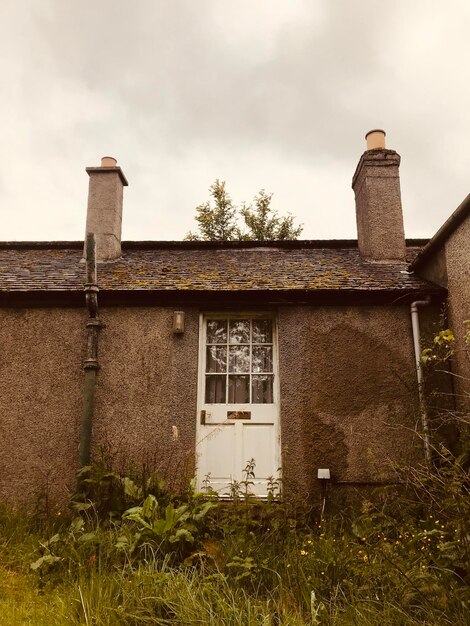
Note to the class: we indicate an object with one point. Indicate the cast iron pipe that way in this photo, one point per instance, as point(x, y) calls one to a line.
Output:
point(91, 365)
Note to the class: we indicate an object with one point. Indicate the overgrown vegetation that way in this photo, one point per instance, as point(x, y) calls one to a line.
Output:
point(140, 555)
point(129, 551)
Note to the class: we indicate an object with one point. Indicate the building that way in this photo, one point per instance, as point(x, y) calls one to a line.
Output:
point(298, 354)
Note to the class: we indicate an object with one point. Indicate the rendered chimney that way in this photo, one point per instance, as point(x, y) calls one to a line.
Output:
point(379, 217)
point(104, 213)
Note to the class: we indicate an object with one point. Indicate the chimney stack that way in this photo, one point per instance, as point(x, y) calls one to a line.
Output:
point(104, 213)
point(376, 184)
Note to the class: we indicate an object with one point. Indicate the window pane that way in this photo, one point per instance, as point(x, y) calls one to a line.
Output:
point(215, 389)
point(239, 359)
point(217, 331)
point(238, 389)
point(216, 359)
point(262, 359)
point(262, 390)
point(262, 331)
point(239, 331)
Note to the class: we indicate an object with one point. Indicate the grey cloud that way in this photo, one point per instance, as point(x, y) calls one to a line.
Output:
point(259, 93)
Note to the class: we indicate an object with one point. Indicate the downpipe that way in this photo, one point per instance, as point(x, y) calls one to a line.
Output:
point(419, 373)
point(91, 365)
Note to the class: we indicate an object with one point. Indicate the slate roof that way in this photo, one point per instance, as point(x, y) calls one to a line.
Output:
point(207, 266)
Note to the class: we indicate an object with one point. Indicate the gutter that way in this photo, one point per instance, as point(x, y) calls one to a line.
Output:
point(91, 365)
point(420, 376)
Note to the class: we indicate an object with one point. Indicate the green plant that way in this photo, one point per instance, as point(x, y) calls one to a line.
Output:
point(67, 549)
point(442, 348)
point(109, 493)
point(165, 529)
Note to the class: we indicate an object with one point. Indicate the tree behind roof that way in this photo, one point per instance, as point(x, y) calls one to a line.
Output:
point(220, 221)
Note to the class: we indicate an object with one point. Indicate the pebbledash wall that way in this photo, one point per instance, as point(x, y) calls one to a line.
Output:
point(348, 398)
point(347, 372)
point(40, 400)
point(446, 262)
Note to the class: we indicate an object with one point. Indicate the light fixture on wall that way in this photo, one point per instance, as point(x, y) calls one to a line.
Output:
point(323, 474)
point(178, 322)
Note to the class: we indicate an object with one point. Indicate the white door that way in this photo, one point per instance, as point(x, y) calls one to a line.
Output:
point(238, 407)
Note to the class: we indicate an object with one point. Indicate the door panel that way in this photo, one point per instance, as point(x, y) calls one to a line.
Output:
point(258, 444)
point(220, 456)
point(238, 416)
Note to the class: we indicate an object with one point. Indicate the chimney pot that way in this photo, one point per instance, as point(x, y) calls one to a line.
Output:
point(375, 139)
point(108, 161)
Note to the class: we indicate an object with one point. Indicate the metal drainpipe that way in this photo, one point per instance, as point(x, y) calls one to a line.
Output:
point(419, 373)
point(91, 365)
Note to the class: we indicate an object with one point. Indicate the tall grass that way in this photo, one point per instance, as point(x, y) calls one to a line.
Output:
point(162, 558)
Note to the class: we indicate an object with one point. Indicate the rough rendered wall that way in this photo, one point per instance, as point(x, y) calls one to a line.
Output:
point(458, 273)
point(435, 269)
point(148, 384)
point(348, 393)
point(41, 374)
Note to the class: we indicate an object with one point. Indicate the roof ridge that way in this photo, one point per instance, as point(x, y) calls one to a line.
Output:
point(204, 245)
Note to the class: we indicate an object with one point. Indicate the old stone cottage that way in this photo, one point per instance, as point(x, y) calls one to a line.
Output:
point(298, 354)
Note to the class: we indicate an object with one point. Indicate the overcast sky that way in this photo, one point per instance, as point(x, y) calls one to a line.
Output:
point(273, 94)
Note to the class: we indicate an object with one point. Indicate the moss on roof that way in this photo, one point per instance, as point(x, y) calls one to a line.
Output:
point(171, 266)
